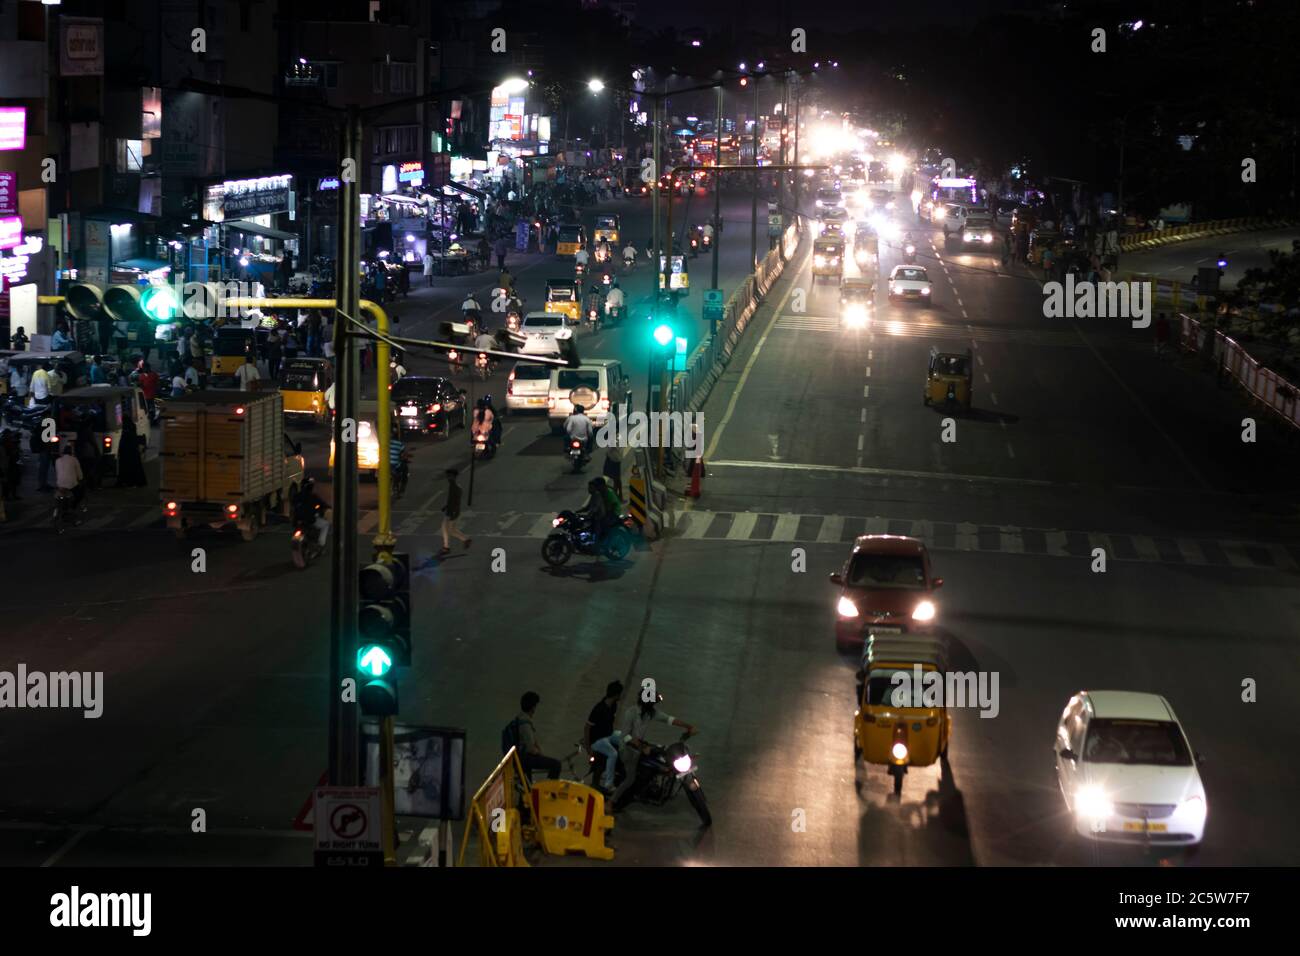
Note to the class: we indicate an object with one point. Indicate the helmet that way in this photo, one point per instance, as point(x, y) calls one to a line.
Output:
point(596, 484)
point(487, 401)
point(577, 409)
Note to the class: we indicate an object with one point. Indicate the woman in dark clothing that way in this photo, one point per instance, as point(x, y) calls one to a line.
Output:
point(130, 466)
point(87, 450)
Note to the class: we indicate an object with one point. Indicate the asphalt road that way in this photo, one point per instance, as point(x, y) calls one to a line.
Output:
point(1180, 260)
point(1080, 437)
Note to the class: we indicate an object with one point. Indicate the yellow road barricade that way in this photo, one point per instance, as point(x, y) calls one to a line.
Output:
point(571, 818)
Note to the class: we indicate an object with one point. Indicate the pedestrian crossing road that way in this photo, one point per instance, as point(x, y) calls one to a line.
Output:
point(805, 529)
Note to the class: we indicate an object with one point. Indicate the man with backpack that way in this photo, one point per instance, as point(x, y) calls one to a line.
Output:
point(522, 735)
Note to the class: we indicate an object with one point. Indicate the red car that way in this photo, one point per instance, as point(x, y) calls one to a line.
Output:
point(887, 587)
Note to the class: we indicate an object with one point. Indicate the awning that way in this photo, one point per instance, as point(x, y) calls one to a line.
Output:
point(142, 265)
point(467, 190)
point(254, 229)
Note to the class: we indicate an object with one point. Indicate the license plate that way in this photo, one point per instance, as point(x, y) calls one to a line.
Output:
point(410, 411)
point(882, 629)
point(1148, 827)
point(537, 401)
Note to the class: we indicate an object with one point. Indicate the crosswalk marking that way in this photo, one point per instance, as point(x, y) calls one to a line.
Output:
point(941, 536)
point(885, 327)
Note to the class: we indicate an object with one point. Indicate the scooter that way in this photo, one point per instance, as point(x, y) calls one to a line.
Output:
point(670, 769)
point(484, 447)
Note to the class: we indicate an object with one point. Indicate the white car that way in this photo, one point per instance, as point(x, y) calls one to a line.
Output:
point(1127, 771)
point(977, 232)
point(527, 387)
point(909, 282)
point(829, 199)
point(541, 331)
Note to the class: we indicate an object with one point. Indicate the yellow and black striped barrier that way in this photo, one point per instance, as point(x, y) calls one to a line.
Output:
point(636, 496)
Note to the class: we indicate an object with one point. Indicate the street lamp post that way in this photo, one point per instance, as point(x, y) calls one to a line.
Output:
point(753, 213)
point(717, 185)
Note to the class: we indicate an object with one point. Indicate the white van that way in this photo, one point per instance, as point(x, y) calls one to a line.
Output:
point(596, 385)
point(541, 329)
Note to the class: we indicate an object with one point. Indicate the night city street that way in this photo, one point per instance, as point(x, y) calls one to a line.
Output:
point(959, 526)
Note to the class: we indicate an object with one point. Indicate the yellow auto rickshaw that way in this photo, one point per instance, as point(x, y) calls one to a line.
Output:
point(948, 379)
point(902, 718)
point(229, 346)
point(303, 383)
point(828, 257)
point(572, 238)
point(562, 298)
point(607, 228)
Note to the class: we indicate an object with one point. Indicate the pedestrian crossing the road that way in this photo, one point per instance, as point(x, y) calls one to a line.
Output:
point(1043, 338)
point(806, 529)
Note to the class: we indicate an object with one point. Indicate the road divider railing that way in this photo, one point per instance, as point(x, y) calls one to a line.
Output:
point(1171, 292)
point(1264, 386)
point(691, 387)
point(1152, 238)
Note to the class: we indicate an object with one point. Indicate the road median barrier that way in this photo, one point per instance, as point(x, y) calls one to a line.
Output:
point(1153, 238)
point(1265, 387)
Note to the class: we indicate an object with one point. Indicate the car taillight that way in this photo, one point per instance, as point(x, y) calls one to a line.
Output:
point(108, 441)
point(603, 405)
point(171, 508)
point(232, 509)
point(510, 384)
point(575, 444)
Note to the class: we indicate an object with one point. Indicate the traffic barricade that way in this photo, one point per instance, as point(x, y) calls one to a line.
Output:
point(495, 817)
point(571, 818)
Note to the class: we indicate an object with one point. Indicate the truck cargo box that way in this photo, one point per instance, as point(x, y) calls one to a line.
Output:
point(223, 447)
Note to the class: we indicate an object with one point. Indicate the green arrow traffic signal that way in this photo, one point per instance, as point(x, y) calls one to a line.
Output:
point(158, 303)
point(663, 334)
point(374, 659)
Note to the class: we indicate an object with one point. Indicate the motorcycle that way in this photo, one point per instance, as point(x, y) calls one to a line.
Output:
point(606, 280)
point(629, 263)
point(613, 314)
point(454, 361)
point(22, 416)
point(65, 510)
point(484, 447)
point(909, 253)
point(305, 544)
point(401, 474)
point(669, 769)
point(482, 366)
point(579, 270)
point(513, 319)
point(574, 535)
point(577, 454)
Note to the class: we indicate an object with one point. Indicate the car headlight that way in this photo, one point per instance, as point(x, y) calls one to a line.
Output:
point(924, 611)
point(939, 214)
point(925, 290)
point(1092, 803)
point(893, 289)
point(819, 260)
point(1192, 811)
point(846, 608)
point(988, 237)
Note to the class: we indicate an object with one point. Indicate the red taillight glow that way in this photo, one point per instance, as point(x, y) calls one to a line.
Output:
point(108, 441)
point(239, 410)
point(576, 444)
point(232, 509)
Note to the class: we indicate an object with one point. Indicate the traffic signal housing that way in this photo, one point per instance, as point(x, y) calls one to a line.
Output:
point(383, 633)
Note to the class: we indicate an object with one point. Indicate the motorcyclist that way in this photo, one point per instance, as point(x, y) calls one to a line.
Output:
point(629, 255)
point(614, 298)
point(484, 422)
point(396, 370)
point(580, 258)
point(636, 720)
point(708, 232)
point(579, 426)
point(602, 249)
point(309, 509)
point(485, 340)
point(596, 511)
point(471, 310)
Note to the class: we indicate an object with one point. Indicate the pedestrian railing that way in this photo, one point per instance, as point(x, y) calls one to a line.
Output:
point(1265, 386)
point(690, 388)
point(1151, 238)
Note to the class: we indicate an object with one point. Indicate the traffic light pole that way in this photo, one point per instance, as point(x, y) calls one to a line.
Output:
point(344, 745)
point(717, 186)
point(753, 212)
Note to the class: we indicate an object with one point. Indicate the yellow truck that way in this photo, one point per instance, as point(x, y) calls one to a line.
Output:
point(227, 462)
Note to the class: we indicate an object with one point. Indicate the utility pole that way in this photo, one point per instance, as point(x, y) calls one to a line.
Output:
point(798, 183)
point(753, 211)
point(344, 756)
point(717, 185)
point(656, 238)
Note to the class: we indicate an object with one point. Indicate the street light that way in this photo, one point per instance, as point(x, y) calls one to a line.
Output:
point(515, 84)
point(595, 85)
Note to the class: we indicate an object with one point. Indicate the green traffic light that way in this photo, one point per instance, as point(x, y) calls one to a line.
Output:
point(159, 303)
point(375, 659)
point(663, 334)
